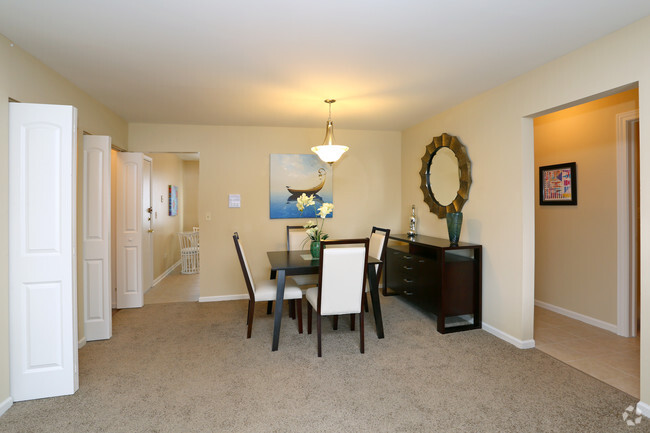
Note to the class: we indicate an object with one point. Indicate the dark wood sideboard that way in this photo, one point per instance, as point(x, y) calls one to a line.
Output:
point(439, 278)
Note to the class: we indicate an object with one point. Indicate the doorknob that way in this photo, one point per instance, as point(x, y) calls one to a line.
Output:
point(150, 230)
point(150, 209)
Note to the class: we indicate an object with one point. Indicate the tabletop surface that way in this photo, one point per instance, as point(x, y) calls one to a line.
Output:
point(295, 260)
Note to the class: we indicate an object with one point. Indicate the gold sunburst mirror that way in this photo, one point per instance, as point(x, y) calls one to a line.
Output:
point(445, 175)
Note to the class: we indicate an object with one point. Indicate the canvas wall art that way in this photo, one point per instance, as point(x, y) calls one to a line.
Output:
point(294, 174)
point(173, 200)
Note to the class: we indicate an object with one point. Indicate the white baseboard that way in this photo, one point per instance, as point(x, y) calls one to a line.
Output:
point(644, 408)
point(577, 316)
point(223, 298)
point(521, 344)
point(5, 405)
point(82, 342)
point(164, 274)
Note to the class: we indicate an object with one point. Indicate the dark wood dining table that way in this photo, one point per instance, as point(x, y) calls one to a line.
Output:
point(287, 263)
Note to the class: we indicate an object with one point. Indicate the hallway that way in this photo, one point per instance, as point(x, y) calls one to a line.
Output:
point(175, 287)
point(599, 353)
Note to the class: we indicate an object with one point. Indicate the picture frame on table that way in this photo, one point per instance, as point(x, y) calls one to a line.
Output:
point(558, 185)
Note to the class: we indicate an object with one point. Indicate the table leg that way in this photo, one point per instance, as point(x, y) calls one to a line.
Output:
point(278, 309)
point(374, 295)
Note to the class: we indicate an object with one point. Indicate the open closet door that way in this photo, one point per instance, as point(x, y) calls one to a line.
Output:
point(129, 235)
point(43, 345)
point(97, 237)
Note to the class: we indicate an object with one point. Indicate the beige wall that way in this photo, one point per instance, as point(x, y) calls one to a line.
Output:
point(167, 170)
point(190, 195)
point(576, 246)
point(25, 79)
point(497, 129)
point(366, 189)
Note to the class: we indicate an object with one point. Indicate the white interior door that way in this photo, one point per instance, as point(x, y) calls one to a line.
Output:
point(43, 346)
point(147, 224)
point(97, 237)
point(129, 230)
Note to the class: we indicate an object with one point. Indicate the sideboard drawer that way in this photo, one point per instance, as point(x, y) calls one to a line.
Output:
point(406, 274)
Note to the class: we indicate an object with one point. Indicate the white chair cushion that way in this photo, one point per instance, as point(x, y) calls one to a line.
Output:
point(306, 280)
point(342, 281)
point(266, 290)
point(376, 246)
point(312, 297)
point(298, 239)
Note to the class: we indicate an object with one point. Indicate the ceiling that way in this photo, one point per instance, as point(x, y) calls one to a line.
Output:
point(389, 64)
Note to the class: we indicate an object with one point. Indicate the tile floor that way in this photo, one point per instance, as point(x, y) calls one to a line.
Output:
point(599, 353)
point(175, 287)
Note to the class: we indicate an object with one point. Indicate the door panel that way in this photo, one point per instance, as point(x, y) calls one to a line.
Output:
point(129, 230)
point(97, 237)
point(43, 344)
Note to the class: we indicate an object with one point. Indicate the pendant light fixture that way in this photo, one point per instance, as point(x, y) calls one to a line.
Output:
point(329, 151)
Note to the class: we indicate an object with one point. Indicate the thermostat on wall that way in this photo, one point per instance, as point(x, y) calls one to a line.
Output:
point(234, 200)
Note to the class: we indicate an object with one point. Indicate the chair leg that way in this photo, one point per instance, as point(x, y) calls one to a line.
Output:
point(361, 330)
point(308, 317)
point(299, 306)
point(269, 307)
point(251, 310)
point(318, 327)
point(292, 309)
point(335, 322)
point(352, 320)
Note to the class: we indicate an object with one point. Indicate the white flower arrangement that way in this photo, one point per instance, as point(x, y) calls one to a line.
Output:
point(313, 231)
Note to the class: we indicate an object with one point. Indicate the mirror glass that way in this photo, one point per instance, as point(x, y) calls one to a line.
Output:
point(444, 178)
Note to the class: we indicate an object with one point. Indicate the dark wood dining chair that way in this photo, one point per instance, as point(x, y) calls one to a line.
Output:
point(296, 236)
point(377, 249)
point(265, 290)
point(297, 240)
point(341, 280)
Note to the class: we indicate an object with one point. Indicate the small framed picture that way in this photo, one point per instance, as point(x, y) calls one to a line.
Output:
point(173, 200)
point(558, 184)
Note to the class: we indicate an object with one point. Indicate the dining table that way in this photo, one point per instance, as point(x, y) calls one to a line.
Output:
point(287, 263)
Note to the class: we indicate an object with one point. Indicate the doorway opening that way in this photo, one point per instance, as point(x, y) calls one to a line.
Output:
point(181, 171)
point(586, 255)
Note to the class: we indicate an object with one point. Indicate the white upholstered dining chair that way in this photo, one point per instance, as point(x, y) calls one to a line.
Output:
point(377, 249)
point(297, 240)
point(265, 290)
point(341, 279)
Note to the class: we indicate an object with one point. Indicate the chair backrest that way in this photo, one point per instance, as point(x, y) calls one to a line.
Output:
point(342, 276)
point(188, 240)
point(377, 248)
point(250, 285)
point(296, 236)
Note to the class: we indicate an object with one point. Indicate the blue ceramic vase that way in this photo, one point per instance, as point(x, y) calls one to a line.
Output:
point(454, 223)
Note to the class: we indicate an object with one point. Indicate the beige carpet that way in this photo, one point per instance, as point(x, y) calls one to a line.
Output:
point(187, 367)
